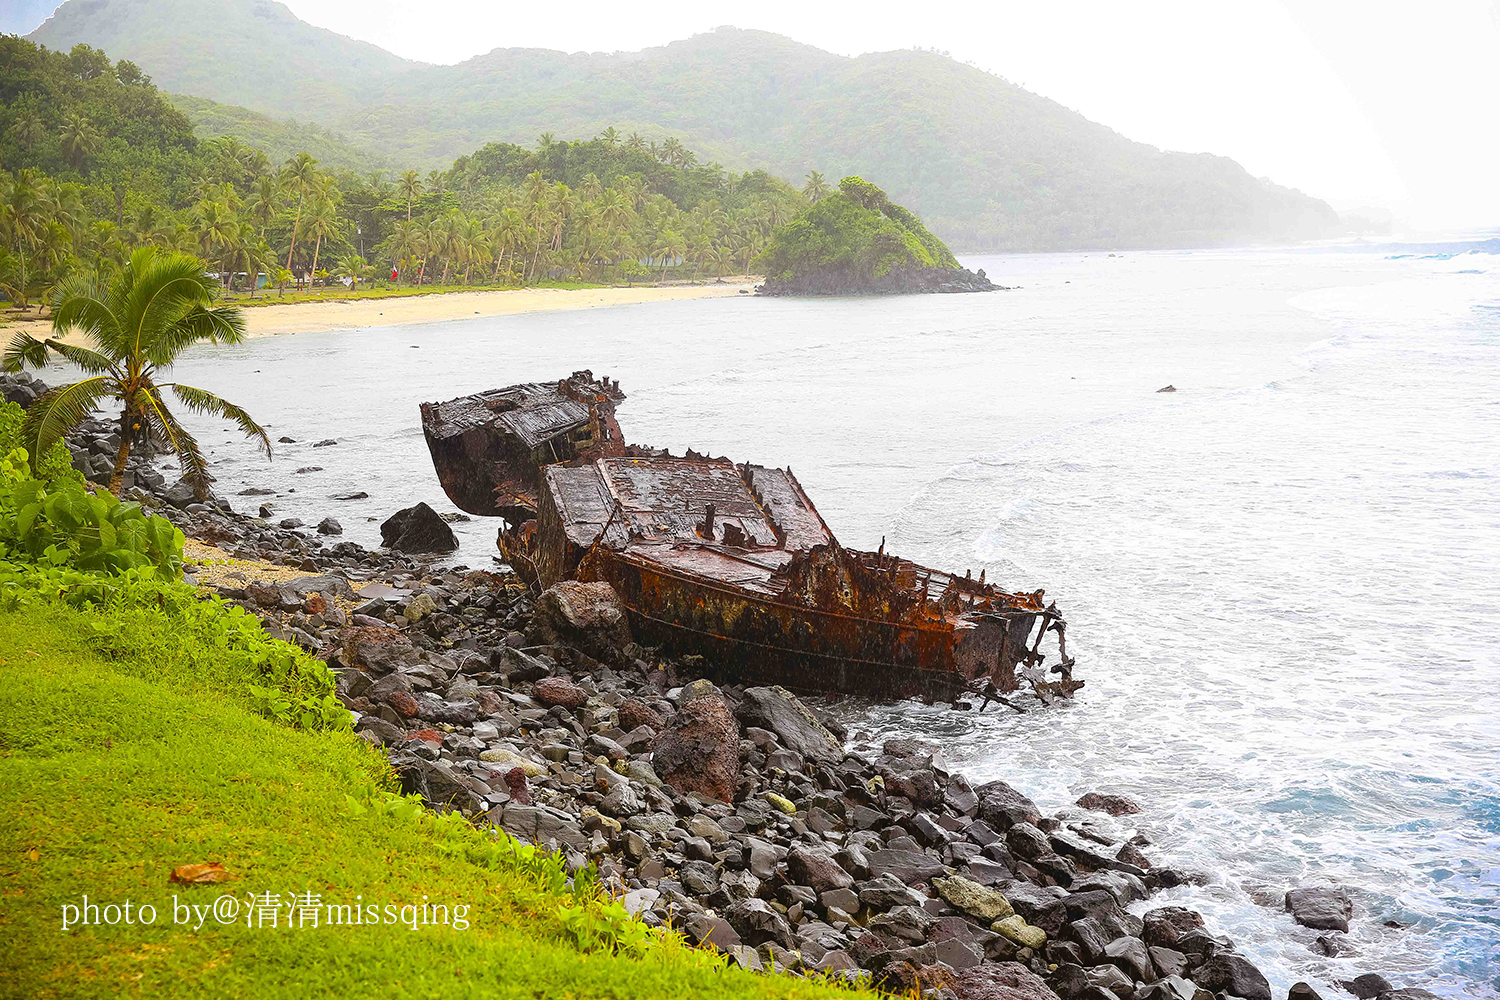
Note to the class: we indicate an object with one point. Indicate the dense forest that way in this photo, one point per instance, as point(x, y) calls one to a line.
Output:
point(96, 161)
point(986, 163)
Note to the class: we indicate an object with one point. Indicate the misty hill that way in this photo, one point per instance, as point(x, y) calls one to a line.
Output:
point(280, 139)
point(986, 163)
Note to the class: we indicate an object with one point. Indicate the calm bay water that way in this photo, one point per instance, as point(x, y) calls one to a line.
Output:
point(1283, 580)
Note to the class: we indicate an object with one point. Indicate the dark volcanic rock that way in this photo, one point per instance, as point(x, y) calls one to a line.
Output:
point(1234, 975)
point(1115, 805)
point(1323, 908)
point(898, 282)
point(559, 691)
point(589, 614)
point(699, 751)
point(1368, 986)
point(1166, 925)
point(1002, 806)
point(776, 709)
point(1001, 981)
point(417, 529)
point(809, 867)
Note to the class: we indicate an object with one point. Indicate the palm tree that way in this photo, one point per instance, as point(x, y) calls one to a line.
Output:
point(410, 186)
point(323, 220)
point(79, 140)
point(280, 277)
point(544, 147)
point(138, 323)
point(257, 255)
point(611, 137)
point(668, 246)
point(353, 267)
point(816, 188)
point(300, 172)
point(635, 141)
point(264, 198)
point(28, 129)
point(217, 230)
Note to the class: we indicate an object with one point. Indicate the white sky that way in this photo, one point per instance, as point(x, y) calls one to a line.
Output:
point(1361, 102)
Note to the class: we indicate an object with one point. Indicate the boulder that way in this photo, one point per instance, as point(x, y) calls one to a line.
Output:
point(910, 867)
point(813, 868)
point(535, 824)
point(1235, 975)
point(1323, 908)
point(974, 899)
point(1115, 805)
point(699, 750)
point(1368, 986)
point(1166, 925)
point(559, 691)
point(1001, 981)
point(1002, 806)
point(778, 710)
point(589, 615)
point(417, 529)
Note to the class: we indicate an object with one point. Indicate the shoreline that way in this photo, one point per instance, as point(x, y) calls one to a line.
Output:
point(407, 310)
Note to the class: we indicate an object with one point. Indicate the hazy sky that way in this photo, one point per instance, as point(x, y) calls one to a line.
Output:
point(1356, 101)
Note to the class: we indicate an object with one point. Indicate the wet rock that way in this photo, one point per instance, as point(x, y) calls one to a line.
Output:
point(417, 529)
point(1018, 930)
point(538, 824)
point(1235, 975)
point(1001, 981)
point(1367, 986)
point(1166, 925)
point(779, 711)
point(1324, 908)
point(589, 614)
point(1302, 991)
point(699, 750)
point(909, 923)
point(1130, 955)
point(1002, 806)
point(1115, 805)
point(328, 526)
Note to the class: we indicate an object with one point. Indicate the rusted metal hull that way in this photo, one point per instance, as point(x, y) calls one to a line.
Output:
point(746, 638)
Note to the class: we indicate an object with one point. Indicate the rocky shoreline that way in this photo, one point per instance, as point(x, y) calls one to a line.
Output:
point(906, 281)
point(739, 814)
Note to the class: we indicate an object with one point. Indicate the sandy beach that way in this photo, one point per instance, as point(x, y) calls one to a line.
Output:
point(316, 317)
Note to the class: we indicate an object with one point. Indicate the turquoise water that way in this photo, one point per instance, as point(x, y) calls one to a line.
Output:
point(1282, 580)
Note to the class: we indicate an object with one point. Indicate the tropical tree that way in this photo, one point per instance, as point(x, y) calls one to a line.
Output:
point(28, 128)
point(159, 304)
point(280, 277)
point(323, 220)
point(668, 246)
point(410, 185)
point(79, 140)
point(258, 256)
point(353, 267)
point(265, 198)
point(611, 137)
point(816, 188)
point(299, 173)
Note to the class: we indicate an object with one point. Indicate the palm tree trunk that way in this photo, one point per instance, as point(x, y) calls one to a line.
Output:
point(122, 455)
point(295, 223)
point(313, 275)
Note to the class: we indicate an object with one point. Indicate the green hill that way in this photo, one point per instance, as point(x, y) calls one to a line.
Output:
point(988, 164)
point(280, 139)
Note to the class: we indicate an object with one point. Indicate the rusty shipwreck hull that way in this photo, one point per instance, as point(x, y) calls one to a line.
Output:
point(488, 446)
point(748, 638)
point(730, 561)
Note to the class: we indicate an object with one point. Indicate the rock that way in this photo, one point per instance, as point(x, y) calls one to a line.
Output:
point(419, 607)
point(1002, 806)
point(715, 931)
point(1409, 993)
point(780, 802)
point(758, 924)
point(1165, 926)
point(1167, 388)
point(1368, 986)
point(909, 923)
point(327, 584)
point(1001, 981)
point(699, 750)
point(910, 867)
point(507, 758)
point(778, 710)
point(325, 443)
point(417, 529)
point(559, 691)
point(587, 614)
point(974, 899)
point(1115, 805)
point(1302, 991)
point(1019, 931)
point(1235, 975)
point(328, 526)
point(635, 713)
point(1130, 955)
point(535, 824)
point(813, 868)
point(1323, 908)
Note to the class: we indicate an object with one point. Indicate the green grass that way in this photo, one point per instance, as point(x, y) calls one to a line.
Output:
point(114, 771)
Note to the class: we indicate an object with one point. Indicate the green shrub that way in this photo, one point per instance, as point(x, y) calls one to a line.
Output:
point(55, 467)
point(139, 621)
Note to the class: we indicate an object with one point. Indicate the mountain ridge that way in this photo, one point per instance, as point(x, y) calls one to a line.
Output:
point(988, 164)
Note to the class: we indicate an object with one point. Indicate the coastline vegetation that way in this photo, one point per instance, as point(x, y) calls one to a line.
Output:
point(97, 163)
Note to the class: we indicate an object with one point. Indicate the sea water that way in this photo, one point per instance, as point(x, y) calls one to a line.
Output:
point(1282, 580)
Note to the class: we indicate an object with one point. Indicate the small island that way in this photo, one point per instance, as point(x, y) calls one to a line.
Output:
point(857, 241)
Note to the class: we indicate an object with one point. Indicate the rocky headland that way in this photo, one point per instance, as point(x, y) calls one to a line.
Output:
point(746, 817)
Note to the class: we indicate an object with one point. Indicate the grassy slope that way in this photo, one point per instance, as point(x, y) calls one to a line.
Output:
point(116, 772)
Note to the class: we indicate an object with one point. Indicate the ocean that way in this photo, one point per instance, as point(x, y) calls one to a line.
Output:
point(1282, 580)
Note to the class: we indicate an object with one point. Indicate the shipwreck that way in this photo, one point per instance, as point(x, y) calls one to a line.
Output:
point(730, 561)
